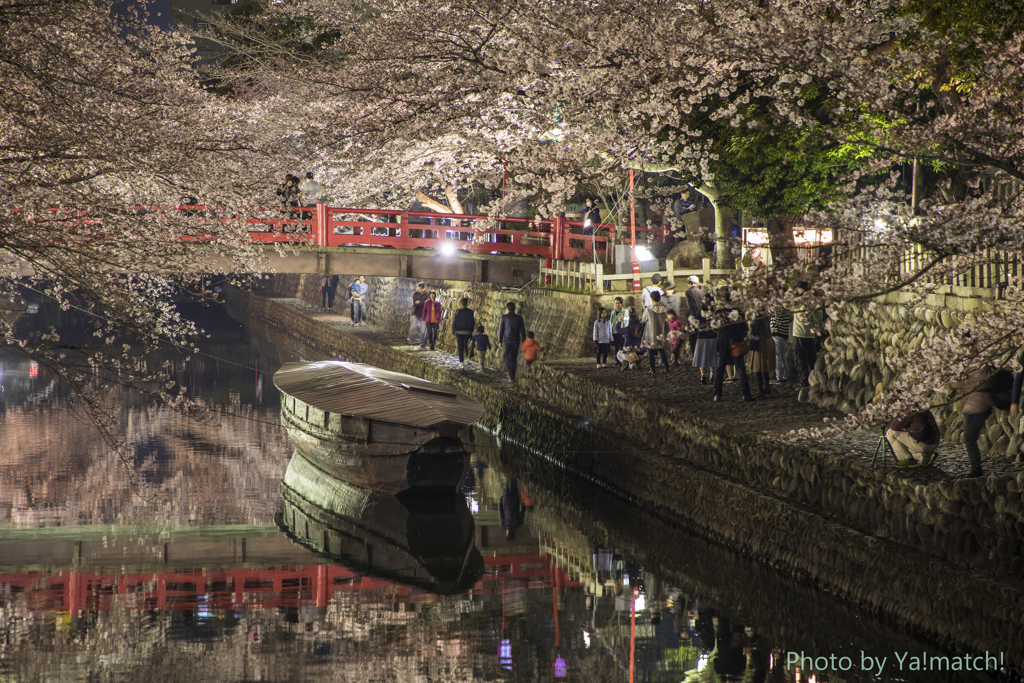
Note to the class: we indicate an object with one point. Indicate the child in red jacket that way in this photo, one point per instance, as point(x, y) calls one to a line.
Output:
point(530, 349)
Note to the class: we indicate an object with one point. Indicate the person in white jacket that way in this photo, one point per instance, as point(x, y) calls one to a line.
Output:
point(602, 337)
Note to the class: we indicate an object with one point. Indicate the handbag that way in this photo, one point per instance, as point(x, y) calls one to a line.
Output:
point(740, 348)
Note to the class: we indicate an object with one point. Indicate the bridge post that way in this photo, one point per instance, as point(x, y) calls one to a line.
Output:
point(321, 226)
point(557, 237)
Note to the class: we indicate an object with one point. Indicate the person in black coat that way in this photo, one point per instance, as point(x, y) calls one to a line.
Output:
point(729, 334)
point(511, 335)
point(511, 509)
point(462, 326)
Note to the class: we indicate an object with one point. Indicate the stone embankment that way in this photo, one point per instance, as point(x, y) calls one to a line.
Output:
point(931, 547)
point(852, 368)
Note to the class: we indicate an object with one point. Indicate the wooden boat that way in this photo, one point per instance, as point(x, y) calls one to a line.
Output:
point(421, 541)
point(382, 430)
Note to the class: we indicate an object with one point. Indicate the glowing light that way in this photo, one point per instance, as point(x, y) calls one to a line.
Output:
point(560, 668)
point(879, 224)
point(447, 248)
point(33, 369)
point(505, 654)
point(641, 602)
point(644, 254)
point(586, 639)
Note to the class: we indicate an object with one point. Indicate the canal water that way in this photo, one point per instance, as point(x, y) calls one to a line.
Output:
point(181, 558)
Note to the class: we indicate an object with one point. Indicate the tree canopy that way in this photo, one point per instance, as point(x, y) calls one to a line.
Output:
point(782, 106)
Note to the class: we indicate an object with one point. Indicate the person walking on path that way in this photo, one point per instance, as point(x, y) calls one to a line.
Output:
point(417, 330)
point(627, 324)
point(432, 314)
point(531, 347)
point(732, 347)
point(615, 318)
point(976, 410)
point(675, 336)
point(645, 296)
point(602, 337)
point(655, 336)
point(462, 326)
point(357, 299)
point(782, 325)
point(483, 345)
point(694, 300)
point(762, 356)
point(328, 287)
point(805, 324)
point(705, 352)
point(670, 300)
point(511, 333)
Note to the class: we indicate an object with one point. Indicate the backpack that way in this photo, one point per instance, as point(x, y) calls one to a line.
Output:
point(1000, 385)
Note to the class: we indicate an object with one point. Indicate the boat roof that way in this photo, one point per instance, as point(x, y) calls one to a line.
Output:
point(365, 391)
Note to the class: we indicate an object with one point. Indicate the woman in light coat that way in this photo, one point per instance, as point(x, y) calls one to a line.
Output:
point(602, 337)
point(655, 337)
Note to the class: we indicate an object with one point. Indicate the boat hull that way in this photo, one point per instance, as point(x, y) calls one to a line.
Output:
point(387, 458)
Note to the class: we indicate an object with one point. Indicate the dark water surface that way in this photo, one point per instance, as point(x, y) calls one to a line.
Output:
point(183, 560)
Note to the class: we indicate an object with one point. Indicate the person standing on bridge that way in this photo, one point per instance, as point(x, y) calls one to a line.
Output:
point(417, 330)
point(511, 333)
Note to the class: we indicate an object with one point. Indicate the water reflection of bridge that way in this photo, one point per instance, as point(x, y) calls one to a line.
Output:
point(256, 567)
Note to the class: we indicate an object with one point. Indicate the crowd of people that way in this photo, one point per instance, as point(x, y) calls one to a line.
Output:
point(723, 344)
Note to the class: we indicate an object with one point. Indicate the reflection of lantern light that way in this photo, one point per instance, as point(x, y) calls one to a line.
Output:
point(560, 670)
point(586, 639)
point(505, 654)
point(33, 369)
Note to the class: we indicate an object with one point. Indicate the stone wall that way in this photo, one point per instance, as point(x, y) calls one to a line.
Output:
point(851, 368)
point(562, 322)
point(883, 542)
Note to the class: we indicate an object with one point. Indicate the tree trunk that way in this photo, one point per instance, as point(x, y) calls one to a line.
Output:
point(781, 242)
point(724, 257)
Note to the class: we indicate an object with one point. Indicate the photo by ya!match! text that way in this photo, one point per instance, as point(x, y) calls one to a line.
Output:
point(895, 662)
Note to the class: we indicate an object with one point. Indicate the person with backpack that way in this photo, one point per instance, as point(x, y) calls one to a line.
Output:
point(462, 325)
point(982, 387)
point(914, 439)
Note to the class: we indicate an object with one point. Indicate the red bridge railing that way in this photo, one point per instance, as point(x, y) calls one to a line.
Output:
point(327, 226)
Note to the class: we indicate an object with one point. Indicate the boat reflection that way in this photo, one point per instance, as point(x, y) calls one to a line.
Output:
point(421, 541)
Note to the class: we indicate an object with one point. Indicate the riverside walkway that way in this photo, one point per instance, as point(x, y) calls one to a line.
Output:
point(681, 389)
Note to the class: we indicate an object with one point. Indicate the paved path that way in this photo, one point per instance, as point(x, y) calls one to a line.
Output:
point(777, 414)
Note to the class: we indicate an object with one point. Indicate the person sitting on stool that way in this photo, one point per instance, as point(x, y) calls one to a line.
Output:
point(914, 439)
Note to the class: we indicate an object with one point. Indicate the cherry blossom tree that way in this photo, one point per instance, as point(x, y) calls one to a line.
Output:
point(105, 128)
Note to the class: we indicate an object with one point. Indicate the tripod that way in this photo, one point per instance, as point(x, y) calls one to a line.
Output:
point(886, 448)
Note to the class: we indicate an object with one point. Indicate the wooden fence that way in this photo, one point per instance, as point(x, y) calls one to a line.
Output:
point(590, 277)
point(984, 273)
